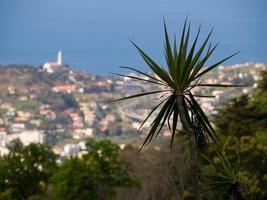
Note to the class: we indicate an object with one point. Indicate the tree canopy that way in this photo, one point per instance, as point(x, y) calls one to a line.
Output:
point(31, 172)
point(25, 171)
point(242, 126)
point(95, 176)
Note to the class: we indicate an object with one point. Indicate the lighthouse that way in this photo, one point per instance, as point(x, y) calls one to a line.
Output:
point(59, 57)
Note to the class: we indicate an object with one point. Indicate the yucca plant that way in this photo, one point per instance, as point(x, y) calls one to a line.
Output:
point(184, 71)
point(222, 179)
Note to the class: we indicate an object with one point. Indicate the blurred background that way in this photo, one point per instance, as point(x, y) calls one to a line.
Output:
point(93, 35)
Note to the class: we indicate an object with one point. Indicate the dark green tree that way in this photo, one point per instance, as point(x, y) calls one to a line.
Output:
point(25, 171)
point(95, 176)
point(242, 127)
point(245, 115)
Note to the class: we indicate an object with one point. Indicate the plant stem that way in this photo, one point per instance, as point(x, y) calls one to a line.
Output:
point(193, 148)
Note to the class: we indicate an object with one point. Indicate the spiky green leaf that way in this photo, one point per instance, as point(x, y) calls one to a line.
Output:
point(139, 95)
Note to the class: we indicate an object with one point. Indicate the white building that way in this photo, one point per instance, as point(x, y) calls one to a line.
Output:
point(27, 137)
point(71, 150)
point(51, 67)
point(3, 151)
point(3, 136)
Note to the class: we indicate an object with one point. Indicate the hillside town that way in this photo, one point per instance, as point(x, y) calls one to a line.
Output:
point(61, 106)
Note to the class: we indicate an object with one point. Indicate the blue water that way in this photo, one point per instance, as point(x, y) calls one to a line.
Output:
point(93, 34)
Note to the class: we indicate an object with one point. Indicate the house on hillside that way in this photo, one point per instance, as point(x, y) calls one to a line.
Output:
point(67, 88)
point(23, 116)
point(7, 106)
point(47, 112)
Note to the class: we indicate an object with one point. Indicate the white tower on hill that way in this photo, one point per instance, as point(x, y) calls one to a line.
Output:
point(51, 67)
point(59, 57)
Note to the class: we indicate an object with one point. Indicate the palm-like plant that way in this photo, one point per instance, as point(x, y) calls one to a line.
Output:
point(185, 68)
point(223, 179)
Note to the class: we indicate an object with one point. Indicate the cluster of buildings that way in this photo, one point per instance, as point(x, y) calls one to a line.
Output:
point(240, 74)
point(43, 123)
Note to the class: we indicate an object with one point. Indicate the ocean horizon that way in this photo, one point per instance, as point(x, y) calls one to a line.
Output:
point(94, 36)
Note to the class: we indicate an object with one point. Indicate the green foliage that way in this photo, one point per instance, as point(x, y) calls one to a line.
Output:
point(58, 101)
point(222, 179)
point(30, 105)
point(245, 116)
point(75, 180)
point(243, 130)
point(248, 155)
point(31, 173)
point(235, 118)
point(183, 73)
point(25, 171)
point(263, 81)
point(95, 176)
point(15, 145)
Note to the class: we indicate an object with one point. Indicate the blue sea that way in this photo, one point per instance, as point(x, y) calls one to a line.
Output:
point(94, 34)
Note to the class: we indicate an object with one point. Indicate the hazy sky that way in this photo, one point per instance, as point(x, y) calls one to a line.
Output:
point(93, 35)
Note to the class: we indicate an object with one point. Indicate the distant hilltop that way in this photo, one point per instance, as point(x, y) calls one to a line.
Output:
point(63, 104)
point(57, 76)
point(51, 76)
